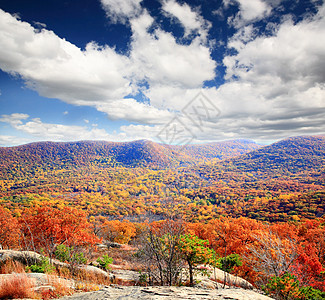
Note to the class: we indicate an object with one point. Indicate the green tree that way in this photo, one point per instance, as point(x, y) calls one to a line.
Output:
point(196, 252)
point(229, 262)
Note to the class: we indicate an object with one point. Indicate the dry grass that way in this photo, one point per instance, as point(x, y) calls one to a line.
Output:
point(91, 278)
point(11, 266)
point(85, 281)
point(17, 286)
point(124, 258)
point(59, 289)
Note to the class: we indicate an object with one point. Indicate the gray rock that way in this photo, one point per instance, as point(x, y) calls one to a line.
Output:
point(160, 293)
point(221, 276)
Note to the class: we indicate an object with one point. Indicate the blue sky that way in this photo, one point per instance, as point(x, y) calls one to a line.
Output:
point(167, 70)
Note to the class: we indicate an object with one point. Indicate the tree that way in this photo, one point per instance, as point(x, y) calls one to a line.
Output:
point(118, 232)
point(160, 254)
point(272, 255)
point(45, 227)
point(9, 230)
point(195, 252)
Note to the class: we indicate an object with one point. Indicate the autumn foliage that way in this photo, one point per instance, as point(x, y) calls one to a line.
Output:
point(9, 229)
point(45, 227)
point(263, 207)
point(117, 231)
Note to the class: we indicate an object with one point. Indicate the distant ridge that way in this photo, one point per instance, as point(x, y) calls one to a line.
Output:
point(292, 155)
point(129, 154)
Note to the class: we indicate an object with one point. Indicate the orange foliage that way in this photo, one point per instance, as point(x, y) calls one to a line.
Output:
point(44, 227)
point(9, 229)
point(118, 232)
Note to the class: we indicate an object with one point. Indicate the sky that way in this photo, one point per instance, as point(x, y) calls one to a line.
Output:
point(169, 71)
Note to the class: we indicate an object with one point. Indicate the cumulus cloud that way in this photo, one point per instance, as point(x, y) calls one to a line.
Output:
point(14, 119)
point(54, 132)
point(98, 76)
point(275, 83)
point(131, 110)
point(159, 59)
point(250, 11)
point(9, 140)
point(121, 11)
point(294, 56)
point(37, 130)
point(275, 86)
point(59, 69)
point(191, 20)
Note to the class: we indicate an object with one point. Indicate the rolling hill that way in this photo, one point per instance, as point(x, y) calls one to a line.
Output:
point(72, 155)
point(238, 178)
point(289, 156)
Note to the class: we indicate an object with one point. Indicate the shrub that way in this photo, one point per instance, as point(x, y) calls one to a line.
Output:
point(12, 266)
point(43, 267)
point(287, 287)
point(105, 262)
point(228, 263)
point(70, 255)
point(16, 286)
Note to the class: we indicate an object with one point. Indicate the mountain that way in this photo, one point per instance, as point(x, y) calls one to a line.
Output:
point(289, 156)
point(239, 178)
point(55, 155)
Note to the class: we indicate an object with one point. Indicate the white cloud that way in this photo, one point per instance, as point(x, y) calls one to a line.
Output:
point(190, 19)
point(54, 132)
point(14, 119)
point(275, 84)
point(36, 130)
point(294, 57)
point(275, 87)
point(9, 140)
point(130, 109)
point(121, 10)
point(59, 69)
point(99, 76)
point(159, 59)
point(251, 10)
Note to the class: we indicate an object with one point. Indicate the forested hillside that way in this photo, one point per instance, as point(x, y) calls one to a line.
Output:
point(236, 201)
point(137, 179)
point(290, 156)
point(29, 158)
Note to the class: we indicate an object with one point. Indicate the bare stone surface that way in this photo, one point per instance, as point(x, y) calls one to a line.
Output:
point(221, 276)
point(160, 293)
point(206, 288)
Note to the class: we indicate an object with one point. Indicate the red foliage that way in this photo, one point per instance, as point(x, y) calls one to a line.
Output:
point(9, 229)
point(44, 227)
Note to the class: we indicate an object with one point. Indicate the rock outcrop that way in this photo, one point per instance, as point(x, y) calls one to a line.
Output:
point(220, 276)
point(30, 257)
point(160, 293)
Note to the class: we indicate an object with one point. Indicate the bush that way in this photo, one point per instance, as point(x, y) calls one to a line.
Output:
point(287, 287)
point(43, 267)
point(105, 262)
point(16, 286)
point(228, 263)
point(69, 255)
